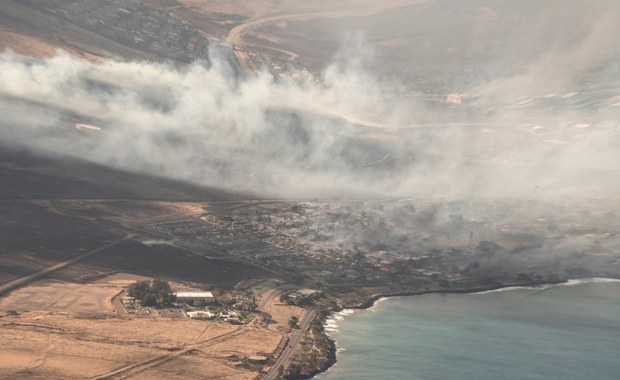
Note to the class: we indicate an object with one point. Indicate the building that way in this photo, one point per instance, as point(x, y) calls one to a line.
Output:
point(195, 297)
point(453, 99)
point(200, 315)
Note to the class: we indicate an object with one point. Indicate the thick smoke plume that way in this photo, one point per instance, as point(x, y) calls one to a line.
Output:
point(345, 135)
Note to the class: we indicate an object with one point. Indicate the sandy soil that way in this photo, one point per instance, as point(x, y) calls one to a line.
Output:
point(55, 329)
point(128, 212)
point(281, 314)
point(24, 44)
point(257, 8)
point(63, 345)
point(80, 299)
point(246, 8)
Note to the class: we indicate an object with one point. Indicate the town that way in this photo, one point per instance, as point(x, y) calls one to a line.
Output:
point(379, 243)
point(197, 189)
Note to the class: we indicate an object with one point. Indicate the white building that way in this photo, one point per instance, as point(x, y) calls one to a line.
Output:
point(200, 315)
point(195, 297)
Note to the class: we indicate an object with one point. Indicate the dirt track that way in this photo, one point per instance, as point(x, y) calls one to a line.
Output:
point(61, 345)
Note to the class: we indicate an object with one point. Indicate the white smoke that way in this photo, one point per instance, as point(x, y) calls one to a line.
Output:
point(342, 136)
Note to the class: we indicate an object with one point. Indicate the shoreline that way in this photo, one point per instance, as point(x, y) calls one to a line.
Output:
point(372, 300)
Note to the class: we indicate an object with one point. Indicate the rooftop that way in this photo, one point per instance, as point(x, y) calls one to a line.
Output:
point(194, 295)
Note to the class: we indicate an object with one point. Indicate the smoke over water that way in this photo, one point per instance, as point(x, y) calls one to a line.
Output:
point(349, 134)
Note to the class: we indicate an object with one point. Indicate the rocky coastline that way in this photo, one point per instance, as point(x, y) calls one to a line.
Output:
point(315, 365)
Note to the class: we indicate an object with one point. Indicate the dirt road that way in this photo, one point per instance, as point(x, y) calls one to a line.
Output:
point(132, 369)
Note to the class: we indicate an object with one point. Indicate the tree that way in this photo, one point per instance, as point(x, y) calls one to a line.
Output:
point(149, 300)
point(139, 289)
point(162, 291)
point(293, 371)
point(293, 322)
point(152, 293)
point(160, 286)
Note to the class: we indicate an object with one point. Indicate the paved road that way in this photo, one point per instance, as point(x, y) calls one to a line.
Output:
point(269, 299)
point(294, 340)
point(25, 280)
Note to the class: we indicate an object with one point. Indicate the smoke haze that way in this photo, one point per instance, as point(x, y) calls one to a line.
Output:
point(547, 129)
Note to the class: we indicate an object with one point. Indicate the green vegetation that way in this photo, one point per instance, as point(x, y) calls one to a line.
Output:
point(316, 356)
point(301, 300)
point(152, 293)
point(240, 300)
point(293, 322)
point(293, 371)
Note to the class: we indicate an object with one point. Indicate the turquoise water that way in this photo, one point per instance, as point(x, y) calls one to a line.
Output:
point(558, 332)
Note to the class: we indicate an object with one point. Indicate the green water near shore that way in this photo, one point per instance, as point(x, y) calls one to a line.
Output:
point(569, 331)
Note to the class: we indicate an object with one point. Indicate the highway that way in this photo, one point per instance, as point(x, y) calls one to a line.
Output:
point(294, 340)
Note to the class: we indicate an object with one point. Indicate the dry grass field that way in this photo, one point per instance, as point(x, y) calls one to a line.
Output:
point(53, 329)
point(80, 299)
point(62, 345)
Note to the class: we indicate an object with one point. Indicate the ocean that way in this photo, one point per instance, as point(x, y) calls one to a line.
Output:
point(562, 332)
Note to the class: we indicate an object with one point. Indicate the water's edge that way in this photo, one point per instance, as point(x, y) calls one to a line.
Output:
point(375, 298)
